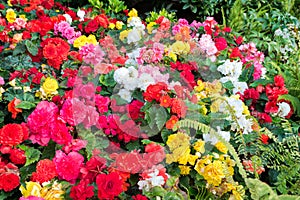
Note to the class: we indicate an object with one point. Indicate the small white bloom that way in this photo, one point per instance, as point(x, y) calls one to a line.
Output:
point(131, 83)
point(283, 110)
point(134, 36)
point(213, 140)
point(239, 87)
point(145, 80)
point(125, 94)
point(133, 73)
point(68, 18)
point(80, 14)
point(121, 74)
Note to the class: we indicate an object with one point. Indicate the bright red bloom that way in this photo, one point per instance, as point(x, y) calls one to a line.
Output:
point(155, 91)
point(264, 138)
point(9, 181)
point(235, 53)
point(102, 20)
point(279, 81)
point(45, 171)
point(82, 191)
point(139, 197)
point(109, 186)
point(13, 134)
point(12, 107)
point(92, 26)
point(171, 122)
point(17, 156)
point(178, 107)
point(92, 168)
point(134, 110)
point(221, 43)
point(128, 162)
point(68, 166)
point(165, 101)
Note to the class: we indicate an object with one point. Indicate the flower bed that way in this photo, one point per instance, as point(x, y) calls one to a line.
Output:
point(100, 107)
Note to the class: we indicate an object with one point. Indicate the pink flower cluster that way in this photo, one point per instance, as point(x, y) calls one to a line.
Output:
point(44, 124)
point(66, 31)
point(92, 54)
point(152, 54)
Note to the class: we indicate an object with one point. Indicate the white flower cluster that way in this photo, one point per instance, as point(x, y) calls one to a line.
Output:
point(232, 71)
point(137, 31)
point(236, 108)
point(213, 140)
point(153, 180)
point(283, 110)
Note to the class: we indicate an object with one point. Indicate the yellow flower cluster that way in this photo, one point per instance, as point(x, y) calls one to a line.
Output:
point(83, 40)
point(48, 89)
point(180, 48)
point(216, 169)
point(207, 89)
point(118, 25)
point(48, 192)
point(132, 13)
point(10, 15)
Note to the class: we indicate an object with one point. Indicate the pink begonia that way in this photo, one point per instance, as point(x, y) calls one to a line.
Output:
point(91, 116)
point(60, 133)
point(31, 198)
point(68, 165)
point(68, 33)
point(41, 122)
point(73, 111)
point(102, 103)
point(154, 72)
point(2, 81)
point(60, 27)
point(92, 54)
point(75, 145)
point(19, 23)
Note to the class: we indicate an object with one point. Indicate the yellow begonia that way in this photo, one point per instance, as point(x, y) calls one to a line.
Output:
point(50, 85)
point(9, 3)
point(200, 86)
point(91, 39)
point(124, 34)
point(178, 139)
point(180, 48)
point(221, 147)
point(150, 27)
point(10, 15)
point(47, 192)
point(184, 170)
point(32, 189)
point(199, 146)
point(133, 13)
point(213, 173)
point(111, 25)
point(80, 41)
point(245, 110)
point(119, 25)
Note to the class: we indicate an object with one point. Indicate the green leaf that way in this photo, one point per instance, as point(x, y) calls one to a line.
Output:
point(260, 82)
point(1, 117)
point(32, 154)
point(20, 49)
point(26, 105)
point(32, 48)
point(228, 85)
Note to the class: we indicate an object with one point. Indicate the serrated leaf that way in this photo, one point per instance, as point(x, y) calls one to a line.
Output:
point(32, 48)
point(32, 154)
point(260, 82)
point(26, 105)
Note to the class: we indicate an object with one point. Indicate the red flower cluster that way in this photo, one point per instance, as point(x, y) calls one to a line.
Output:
point(186, 72)
point(13, 134)
point(9, 176)
point(94, 24)
point(135, 162)
point(109, 185)
point(82, 191)
point(45, 171)
point(155, 91)
point(55, 50)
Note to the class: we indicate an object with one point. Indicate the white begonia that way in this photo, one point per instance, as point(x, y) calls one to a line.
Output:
point(121, 74)
point(145, 80)
point(68, 18)
point(235, 104)
point(132, 57)
point(153, 181)
point(81, 14)
point(136, 22)
point(131, 83)
point(283, 110)
point(239, 87)
point(133, 73)
point(125, 94)
point(245, 124)
point(134, 36)
point(231, 69)
point(213, 140)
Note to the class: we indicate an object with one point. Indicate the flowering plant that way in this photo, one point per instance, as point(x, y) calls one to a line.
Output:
point(113, 107)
